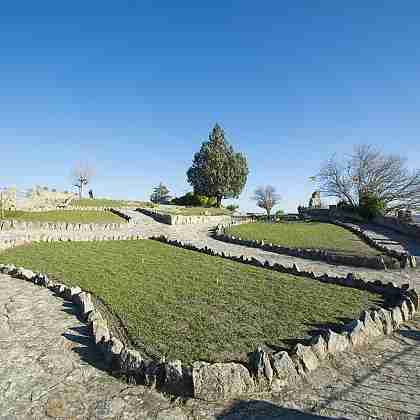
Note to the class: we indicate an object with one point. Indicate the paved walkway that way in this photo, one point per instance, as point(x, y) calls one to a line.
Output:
point(50, 369)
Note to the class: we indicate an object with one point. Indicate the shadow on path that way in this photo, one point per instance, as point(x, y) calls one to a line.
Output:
point(264, 410)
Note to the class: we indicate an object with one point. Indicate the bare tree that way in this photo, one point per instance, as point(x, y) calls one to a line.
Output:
point(266, 198)
point(82, 174)
point(369, 171)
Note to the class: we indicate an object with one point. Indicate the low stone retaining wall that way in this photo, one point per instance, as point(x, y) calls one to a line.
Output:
point(178, 219)
point(405, 260)
point(380, 262)
point(70, 237)
point(265, 371)
point(400, 226)
point(60, 226)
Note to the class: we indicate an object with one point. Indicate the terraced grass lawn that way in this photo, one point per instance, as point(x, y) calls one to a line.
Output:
point(195, 211)
point(306, 235)
point(70, 216)
point(105, 202)
point(187, 305)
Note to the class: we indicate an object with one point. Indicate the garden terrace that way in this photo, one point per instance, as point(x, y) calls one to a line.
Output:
point(108, 203)
point(306, 235)
point(193, 211)
point(184, 304)
point(63, 216)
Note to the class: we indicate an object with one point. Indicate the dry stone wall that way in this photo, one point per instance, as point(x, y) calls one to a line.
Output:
point(399, 225)
point(178, 219)
point(59, 226)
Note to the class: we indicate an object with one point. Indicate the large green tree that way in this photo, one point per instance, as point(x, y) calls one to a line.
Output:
point(217, 170)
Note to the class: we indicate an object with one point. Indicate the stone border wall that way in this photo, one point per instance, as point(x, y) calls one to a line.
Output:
point(406, 260)
point(265, 371)
point(73, 237)
point(380, 262)
point(178, 219)
point(59, 226)
point(400, 226)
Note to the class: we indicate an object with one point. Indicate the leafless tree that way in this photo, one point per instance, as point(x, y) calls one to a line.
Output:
point(82, 174)
point(369, 171)
point(266, 198)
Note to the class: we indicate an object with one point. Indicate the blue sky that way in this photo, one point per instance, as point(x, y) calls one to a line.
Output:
point(135, 87)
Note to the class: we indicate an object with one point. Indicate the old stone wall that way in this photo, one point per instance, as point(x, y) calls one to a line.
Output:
point(177, 219)
point(38, 199)
point(411, 229)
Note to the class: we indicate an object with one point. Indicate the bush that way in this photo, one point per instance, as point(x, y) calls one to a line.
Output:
point(194, 200)
point(370, 206)
point(232, 207)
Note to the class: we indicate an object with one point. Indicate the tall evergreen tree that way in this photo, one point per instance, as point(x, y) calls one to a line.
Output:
point(160, 194)
point(217, 171)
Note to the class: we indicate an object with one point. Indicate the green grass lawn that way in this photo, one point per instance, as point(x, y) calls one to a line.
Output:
point(187, 305)
point(104, 202)
point(306, 235)
point(70, 216)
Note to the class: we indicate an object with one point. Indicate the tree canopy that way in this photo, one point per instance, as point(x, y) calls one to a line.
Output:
point(370, 175)
point(217, 170)
point(266, 198)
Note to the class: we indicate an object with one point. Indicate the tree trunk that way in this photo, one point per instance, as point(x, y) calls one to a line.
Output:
point(268, 213)
point(219, 200)
point(80, 191)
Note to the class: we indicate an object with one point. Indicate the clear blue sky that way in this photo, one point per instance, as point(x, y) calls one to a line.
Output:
point(135, 87)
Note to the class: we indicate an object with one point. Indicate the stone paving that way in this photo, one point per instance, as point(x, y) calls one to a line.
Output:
point(49, 367)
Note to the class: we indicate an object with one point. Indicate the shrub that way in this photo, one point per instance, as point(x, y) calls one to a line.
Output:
point(194, 200)
point(370, 206)
point(232, 207)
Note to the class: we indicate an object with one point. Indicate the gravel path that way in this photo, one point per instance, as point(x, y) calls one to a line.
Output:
point(50, 369)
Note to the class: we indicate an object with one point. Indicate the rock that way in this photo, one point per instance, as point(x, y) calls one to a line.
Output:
point(130, 361)
point(319, 347)
point(173, 376)
point(112, 351)
point(260, 364)
point(336, 343)
point(378, 321)
point(284, 370)
point(93, 316)
point(220, 381)
point(305, 359)
point(397, 318)
point(405, 311)
point(295, 268)
point(413, 295)
point(8, 269)
point(410, 306)
point(84, 301)
point(370, 327)
point(357, 334)
point(69, 292)
point(42, 280)
point(25, 274)
point(386, 318)
point(100, 332)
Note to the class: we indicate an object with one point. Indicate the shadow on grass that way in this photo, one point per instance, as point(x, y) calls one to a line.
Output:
point(264, 410)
